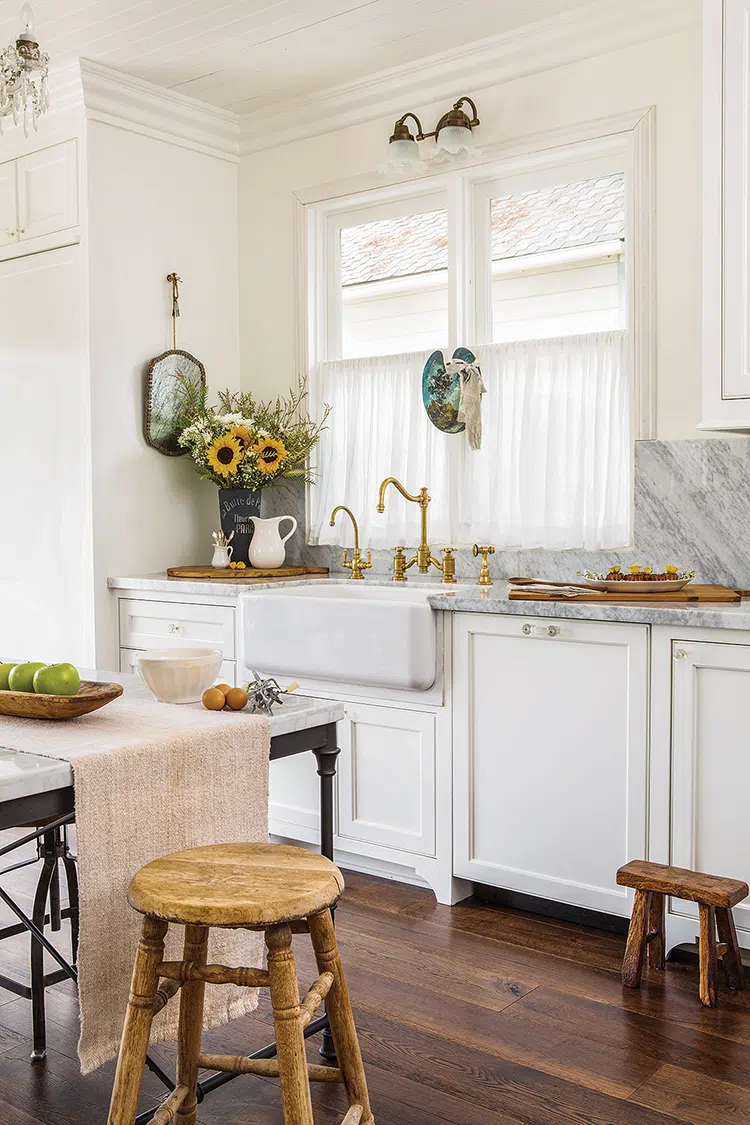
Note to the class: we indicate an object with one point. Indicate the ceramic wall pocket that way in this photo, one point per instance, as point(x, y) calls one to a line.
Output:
point(441, 392)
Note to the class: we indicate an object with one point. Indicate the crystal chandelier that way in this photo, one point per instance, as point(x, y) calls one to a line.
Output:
point(23, 77)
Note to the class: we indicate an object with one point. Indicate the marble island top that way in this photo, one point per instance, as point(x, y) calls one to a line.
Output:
point(22, 774)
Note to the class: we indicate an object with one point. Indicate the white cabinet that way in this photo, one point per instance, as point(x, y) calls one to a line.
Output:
point(550, 754)
point(726, 195)
point(47, 191)
point(154, 624)
point(386, 778)
point(39, 200)
point(703, 794)
point(8, 204)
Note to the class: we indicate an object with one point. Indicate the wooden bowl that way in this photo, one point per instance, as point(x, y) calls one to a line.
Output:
point(91, 695)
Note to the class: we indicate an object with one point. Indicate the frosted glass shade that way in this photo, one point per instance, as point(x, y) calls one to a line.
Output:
point(403, 156)
point(455, 140)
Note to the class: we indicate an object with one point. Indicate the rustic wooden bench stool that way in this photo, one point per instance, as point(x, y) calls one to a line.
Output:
point(715, 896)
point(279, 890)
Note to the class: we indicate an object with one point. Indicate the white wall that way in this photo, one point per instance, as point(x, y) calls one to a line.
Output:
point(664, 73)
point(46, 609)
point(154, 207)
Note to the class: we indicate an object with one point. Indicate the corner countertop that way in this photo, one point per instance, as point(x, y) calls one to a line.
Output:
point(163, 584)
point(473, 599)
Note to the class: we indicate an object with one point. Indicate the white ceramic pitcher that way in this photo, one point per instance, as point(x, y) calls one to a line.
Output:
point(267, 550)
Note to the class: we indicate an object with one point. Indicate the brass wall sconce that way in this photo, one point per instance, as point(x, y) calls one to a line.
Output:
point(453, 139)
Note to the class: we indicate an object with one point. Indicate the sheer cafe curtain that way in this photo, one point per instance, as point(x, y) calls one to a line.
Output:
point(555, 465)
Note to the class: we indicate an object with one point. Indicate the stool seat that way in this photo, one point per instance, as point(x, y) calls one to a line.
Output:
point(256, 885)
point(691, 886)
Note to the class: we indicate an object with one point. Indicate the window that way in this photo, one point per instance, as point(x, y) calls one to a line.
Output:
point(529, 265)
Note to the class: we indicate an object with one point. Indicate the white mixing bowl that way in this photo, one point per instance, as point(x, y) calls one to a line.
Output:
point(179, 675)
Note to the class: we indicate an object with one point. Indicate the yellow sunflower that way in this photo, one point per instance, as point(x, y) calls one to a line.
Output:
point(224, 455)
point(269, 453)
point(242, 435)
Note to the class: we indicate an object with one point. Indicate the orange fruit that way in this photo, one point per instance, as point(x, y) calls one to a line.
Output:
point(236, 698)
point(223, 688)
point(213, 699)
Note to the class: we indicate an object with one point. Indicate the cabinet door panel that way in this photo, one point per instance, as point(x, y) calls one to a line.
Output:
point(48, 190)
point(147, 624)
point(8, 207)
point(386, 777)
point(736, 203)
point(711, 768)
point(550, 756)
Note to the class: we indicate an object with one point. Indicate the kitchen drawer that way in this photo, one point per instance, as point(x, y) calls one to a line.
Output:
point(227, 672)
point(146, 624)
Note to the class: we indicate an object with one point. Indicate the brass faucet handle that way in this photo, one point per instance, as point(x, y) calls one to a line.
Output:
point(399, 565)
point(345, 560)
point(448, 566)
point(484, 573)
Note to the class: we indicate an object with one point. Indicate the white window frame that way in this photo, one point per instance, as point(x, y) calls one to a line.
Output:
point(624, 142)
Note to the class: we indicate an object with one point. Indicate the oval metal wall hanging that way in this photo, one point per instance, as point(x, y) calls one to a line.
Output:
point(441, 393)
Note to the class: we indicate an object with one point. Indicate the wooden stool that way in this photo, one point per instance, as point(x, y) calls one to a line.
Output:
point(280, 890)
point(715, 897)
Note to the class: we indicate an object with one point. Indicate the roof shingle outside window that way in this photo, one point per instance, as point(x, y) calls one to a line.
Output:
point(559, 218)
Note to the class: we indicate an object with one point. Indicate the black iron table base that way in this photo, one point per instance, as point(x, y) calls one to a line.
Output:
point(53, 850)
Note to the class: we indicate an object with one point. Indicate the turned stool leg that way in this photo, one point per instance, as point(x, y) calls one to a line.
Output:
point(632, 965)
point(733, 966)
point(707, 955)
point(339, 1010)
point(290, 1041)
point(657, 926)
point(191, 1023)
point(137, 1029)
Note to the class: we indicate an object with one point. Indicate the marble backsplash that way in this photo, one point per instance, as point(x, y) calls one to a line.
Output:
point(691, 507)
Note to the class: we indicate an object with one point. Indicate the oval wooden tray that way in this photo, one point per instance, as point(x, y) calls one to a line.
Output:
point(92, 695)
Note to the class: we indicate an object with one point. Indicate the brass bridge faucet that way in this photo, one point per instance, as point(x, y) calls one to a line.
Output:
point(424, 557)
point(356, 564)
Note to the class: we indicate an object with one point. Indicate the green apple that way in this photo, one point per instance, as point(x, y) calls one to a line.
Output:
point(57, 679)
point(4, 671)
point(21, 676)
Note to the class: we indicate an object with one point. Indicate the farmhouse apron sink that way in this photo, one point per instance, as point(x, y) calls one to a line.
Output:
point(352, 633)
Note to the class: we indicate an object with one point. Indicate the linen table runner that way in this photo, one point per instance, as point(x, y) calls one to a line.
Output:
point(151, 778)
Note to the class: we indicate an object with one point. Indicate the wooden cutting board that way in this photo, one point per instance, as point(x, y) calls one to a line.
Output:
point(249, 574)
point(694, 594)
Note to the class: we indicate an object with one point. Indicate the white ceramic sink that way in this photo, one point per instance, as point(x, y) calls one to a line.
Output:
point(352, 633)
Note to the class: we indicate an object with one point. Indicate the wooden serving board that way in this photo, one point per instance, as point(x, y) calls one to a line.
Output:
point(690, 594)
point(249, 574)
point(92, 695)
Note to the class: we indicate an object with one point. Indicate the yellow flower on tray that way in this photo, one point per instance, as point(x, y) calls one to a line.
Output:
point(269, 453)
point(242, 435)
point(670, 569)
point(224, 455)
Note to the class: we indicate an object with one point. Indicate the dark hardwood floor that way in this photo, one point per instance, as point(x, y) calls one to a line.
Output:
point(467, 1016)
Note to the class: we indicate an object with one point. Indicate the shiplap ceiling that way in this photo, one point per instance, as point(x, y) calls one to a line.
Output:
point(247, 54)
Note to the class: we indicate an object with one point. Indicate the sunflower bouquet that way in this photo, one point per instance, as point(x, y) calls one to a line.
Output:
point(243, 443)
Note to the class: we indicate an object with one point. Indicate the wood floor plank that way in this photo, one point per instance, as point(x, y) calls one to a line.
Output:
point(694, 1098)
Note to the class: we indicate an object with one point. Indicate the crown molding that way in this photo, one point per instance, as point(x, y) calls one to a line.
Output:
point(594, 29)
point(141, 107)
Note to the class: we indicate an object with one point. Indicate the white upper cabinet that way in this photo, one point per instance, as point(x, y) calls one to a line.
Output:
point(8, 204)
point(48, 191)
point(39, 200)
point(550, 752)
point(726, 193)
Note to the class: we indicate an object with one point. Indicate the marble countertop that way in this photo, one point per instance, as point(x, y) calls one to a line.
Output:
point(472, 599)
point(163, 584)
point(22, 775)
